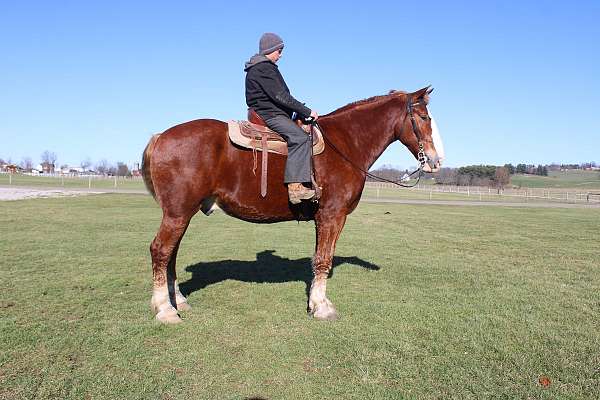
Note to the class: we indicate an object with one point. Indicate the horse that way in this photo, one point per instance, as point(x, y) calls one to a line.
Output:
point(194, 166)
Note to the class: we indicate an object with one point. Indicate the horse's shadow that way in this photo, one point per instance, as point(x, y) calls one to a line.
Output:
point(268, 268)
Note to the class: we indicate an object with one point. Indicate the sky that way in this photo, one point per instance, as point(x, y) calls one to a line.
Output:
point(515, 81)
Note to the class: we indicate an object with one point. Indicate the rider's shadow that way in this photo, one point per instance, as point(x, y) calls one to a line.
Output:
point(268, 268)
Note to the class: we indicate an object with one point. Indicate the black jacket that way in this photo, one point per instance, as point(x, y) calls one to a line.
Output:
point(266, 91)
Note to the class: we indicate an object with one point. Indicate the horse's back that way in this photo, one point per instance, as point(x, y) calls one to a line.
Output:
point(192, 141)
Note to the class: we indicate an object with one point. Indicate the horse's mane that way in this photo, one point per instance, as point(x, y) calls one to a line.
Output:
point(368, 101)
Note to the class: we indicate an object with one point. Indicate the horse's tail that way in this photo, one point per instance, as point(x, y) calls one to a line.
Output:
point(146, 165)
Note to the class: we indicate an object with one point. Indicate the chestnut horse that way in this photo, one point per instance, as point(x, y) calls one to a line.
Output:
point(194, 166)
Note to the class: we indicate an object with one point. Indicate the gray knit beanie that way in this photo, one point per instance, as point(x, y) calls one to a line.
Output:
point(269, 42)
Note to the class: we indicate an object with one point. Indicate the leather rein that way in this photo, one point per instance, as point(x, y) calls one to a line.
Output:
point(420, 155)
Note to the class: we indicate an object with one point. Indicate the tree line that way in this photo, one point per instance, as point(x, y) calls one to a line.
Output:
point(531, 169)
point(481, 175)
point(49, 163)
point(474, 175)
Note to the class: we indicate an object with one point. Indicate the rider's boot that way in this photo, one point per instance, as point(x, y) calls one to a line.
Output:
point(298, 192)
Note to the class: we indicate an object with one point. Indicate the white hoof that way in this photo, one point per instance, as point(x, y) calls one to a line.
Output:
point(162, 307)
point(168, 316)
point(329, 315)
point(324, 312)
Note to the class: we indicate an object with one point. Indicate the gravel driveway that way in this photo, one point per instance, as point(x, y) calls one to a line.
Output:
point(27, 193)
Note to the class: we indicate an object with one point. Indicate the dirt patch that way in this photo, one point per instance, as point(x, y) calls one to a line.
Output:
point(27, 193)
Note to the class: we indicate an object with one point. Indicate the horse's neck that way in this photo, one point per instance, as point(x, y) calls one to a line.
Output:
point(362, 134)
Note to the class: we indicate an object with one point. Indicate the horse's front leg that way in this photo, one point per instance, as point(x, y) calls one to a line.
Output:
point(328, 232)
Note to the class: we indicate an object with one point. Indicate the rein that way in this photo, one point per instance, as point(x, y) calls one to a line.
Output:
point(420, 155)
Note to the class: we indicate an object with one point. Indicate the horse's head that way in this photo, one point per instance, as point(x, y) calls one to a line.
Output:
point(417, 130)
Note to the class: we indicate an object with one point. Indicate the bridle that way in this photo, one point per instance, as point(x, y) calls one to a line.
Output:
point(421, 154)
point(421, 157)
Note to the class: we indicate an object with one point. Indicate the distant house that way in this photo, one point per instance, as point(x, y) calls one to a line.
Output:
point(11, 168)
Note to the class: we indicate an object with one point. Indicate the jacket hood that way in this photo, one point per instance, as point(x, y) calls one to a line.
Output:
point(255, 59)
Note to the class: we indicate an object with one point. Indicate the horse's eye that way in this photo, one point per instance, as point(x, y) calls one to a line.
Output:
point(424, 117)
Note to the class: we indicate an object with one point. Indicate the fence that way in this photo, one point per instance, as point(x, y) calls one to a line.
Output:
point(73, 181)
point(486, 193)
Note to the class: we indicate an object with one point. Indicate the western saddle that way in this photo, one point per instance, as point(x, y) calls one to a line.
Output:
point(255, 135)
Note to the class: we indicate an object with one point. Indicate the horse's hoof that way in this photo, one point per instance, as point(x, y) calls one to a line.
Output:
point(183, 306)
point(168, 317)
point(325, 314)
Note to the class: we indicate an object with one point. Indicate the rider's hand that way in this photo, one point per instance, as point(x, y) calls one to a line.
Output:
point(314, 115)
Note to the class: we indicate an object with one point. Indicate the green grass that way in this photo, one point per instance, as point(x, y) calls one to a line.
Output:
point(435, 302)
point(572, 179)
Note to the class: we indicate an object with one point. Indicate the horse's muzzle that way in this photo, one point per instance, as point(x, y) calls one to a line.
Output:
point(433, 164)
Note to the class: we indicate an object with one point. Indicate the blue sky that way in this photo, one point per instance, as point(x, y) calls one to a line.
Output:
point(514, 81)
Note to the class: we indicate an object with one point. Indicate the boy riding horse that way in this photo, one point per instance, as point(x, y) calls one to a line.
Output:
point(268, 95)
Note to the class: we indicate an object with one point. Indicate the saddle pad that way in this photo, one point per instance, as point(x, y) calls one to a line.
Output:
point(248, 135)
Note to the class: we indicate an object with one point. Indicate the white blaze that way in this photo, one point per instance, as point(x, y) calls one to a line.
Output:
point(437, 139)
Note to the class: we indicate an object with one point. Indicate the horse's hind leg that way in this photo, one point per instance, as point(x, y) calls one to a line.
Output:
point(181, 301)
point(163, 249)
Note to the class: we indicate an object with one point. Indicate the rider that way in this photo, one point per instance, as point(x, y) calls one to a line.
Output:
point(269, 96)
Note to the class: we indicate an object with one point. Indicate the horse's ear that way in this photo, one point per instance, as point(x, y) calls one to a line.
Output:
point(422, 94)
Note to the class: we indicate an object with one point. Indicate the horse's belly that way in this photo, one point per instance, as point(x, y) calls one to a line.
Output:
point(266, 210)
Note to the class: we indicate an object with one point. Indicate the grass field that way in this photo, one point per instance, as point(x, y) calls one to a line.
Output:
point(574, 179)
point(435, 302)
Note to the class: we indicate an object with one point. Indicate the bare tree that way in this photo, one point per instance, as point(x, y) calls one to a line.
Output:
point(49, 157)
point(387, 172)
point(27, 164)
point(123, 169)
point(102, 167)
point(85, 164)
point(446, 176)
point(463, 180)
point(112, 170)
point(501, 178)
